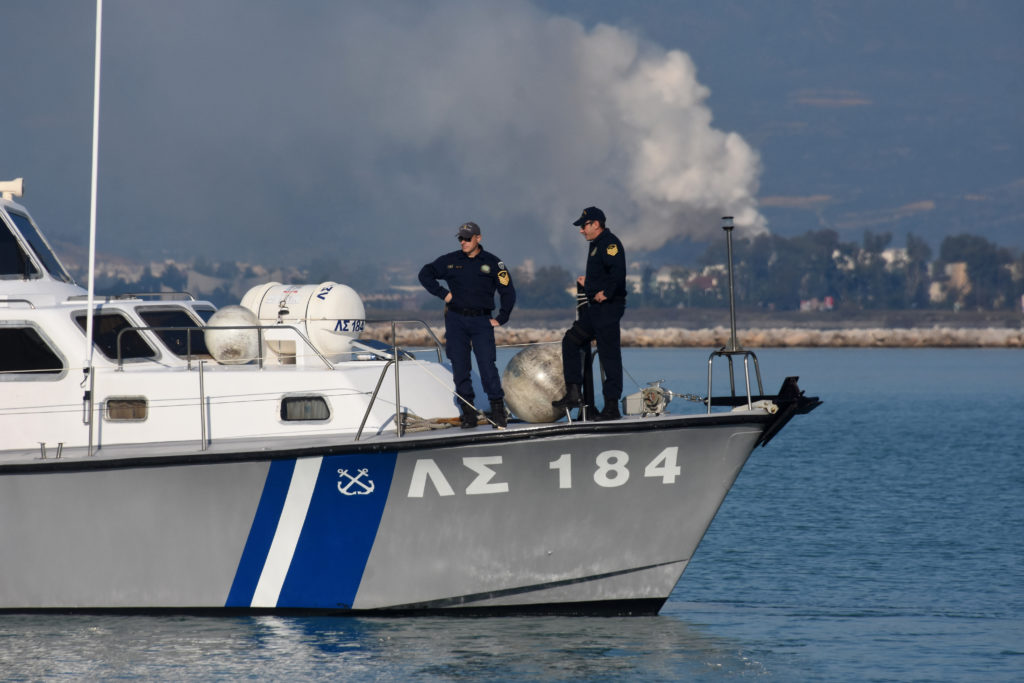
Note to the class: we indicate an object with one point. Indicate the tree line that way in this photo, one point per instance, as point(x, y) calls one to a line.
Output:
point(770, 272)
point(780, 273)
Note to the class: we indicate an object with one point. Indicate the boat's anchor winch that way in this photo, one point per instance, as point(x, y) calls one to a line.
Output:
point(652, 399)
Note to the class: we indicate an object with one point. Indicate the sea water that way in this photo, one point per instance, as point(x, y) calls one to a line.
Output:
point(880, 537)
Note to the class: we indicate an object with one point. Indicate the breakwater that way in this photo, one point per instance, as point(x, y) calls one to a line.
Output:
point(714, 337)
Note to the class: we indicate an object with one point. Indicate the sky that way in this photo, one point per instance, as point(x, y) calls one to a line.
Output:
point(277, 132)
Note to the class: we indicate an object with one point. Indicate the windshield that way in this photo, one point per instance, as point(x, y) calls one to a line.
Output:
point(40, 247)
point(14, 262)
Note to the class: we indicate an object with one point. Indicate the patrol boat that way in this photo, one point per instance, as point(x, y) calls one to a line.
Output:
point(268, 457)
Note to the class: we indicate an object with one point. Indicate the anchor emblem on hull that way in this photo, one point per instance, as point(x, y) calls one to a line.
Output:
point(364, 487)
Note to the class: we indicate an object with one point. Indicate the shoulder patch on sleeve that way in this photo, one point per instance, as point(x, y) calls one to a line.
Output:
point(503, 278)
point(612, 249)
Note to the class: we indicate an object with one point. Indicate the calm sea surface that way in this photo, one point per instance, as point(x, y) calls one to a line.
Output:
point(880, 538)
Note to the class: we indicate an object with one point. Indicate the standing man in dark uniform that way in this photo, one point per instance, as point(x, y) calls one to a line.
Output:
point(473, 275)
point(605, 289)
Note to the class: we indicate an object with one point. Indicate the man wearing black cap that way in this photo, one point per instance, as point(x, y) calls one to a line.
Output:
point(605, 289)
point(473, 275)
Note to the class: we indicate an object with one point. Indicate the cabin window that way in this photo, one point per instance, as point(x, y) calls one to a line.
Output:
point(204, 312)
point(40, 247)
point(127, 408)
point(304, 409)
point(15, 264)
point(176, 339)
point(24, 353)
point(106, 327)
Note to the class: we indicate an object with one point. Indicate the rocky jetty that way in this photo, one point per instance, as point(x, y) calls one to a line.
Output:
point(796, 337)
point(941, 337)
point(756, 328)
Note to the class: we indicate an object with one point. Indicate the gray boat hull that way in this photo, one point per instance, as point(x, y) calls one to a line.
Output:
point(584, 519)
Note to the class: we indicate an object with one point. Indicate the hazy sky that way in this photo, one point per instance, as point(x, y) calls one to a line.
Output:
point(277, 131)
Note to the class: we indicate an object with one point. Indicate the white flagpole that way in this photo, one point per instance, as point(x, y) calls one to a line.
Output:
point(92, 215)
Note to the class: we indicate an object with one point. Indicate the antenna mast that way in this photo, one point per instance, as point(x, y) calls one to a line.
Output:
point(92, 220)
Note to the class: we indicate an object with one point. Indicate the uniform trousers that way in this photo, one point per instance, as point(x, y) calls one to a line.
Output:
point(463, 332)
point(598, 321)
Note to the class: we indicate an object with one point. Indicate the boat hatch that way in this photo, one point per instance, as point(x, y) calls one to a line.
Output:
point(106, 326)
point(15, 263)
point(25, 354)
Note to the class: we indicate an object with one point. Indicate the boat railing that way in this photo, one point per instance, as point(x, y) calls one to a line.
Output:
point(188, 343)
point(396, 356)
point(417, 321)
point(6, 302)
point(172, 296)
point(730, 354)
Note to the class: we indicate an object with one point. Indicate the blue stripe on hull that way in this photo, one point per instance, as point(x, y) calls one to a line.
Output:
point(338, 531)
point(261, 534)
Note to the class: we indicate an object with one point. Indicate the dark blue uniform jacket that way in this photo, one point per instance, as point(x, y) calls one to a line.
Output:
point(606, 267)
point(472, 282)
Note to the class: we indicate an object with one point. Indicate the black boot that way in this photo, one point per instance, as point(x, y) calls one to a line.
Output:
point(610, 412)
point(468, 419)
point(498, 415)
point(572, 397)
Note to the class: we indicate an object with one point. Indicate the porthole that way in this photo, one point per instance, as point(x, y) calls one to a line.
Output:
point(127, 409)
point(304, 409)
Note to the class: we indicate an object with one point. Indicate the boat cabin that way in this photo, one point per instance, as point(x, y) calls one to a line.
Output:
point(149, 377)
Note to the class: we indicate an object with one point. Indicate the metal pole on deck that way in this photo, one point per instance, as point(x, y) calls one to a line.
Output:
point(202, 406)
point(733, 348)
point(733, 344)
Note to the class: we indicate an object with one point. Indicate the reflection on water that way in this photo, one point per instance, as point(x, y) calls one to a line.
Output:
point(567, 648)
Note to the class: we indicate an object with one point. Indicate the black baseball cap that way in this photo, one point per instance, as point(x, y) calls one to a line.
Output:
point(469, 229)
point(591, 213)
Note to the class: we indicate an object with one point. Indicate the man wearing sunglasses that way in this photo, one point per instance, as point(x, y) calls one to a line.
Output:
point(605, 289)
point(473, 276)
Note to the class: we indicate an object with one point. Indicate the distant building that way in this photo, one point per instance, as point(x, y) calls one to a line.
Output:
point(635, 283)
point(957, 274)
point(197, 283)
point(528, 270)
point(157, 268)
point(895, 258)
point(826, 303)
point(843, 261)
point(702, 283)
point(665, 278)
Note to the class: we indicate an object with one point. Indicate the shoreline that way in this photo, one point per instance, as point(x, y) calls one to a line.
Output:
point(781, 337)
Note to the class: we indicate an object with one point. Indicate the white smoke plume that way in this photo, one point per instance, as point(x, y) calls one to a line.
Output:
point(321, 126)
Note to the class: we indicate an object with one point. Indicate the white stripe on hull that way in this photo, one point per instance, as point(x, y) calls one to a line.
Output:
point(286, 537)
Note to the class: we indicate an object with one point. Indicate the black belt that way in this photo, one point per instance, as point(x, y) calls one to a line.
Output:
point(470, 311)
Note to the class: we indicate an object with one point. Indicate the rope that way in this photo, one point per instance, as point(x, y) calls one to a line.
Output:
point(440, 381)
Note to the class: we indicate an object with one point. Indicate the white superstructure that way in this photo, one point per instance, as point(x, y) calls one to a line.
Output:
point(153, 379)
